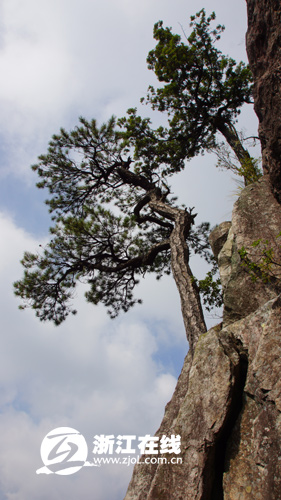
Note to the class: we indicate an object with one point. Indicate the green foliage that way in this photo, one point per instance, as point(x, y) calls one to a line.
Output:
point(162, 149)
point(77, 167)
point(209, 287)
point(105, 233)
point(263, 263)
point(248, 168)
point(210, 290)
point(86, 175)
point(202, 87)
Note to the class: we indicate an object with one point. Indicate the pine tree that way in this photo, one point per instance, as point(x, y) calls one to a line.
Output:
point(114, 216)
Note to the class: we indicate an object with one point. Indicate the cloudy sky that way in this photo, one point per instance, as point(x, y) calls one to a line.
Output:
point(60, 59)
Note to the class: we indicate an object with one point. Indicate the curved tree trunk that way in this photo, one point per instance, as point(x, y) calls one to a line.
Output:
point(189, 295)
point(230, 134)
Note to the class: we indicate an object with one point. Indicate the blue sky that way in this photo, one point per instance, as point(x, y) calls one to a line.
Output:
point(60, 59)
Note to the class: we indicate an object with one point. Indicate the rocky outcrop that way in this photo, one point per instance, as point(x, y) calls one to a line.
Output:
point(264, 52)
point(218, 237)
point(256, 215)
point(227, 403)
point(211, 397)
point(227, 409)
point(253, 464)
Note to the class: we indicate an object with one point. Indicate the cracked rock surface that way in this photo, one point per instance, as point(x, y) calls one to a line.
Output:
point(256, 215)
point(212, 387)
point(227, 409)
point(264, 53)
point(253, 464)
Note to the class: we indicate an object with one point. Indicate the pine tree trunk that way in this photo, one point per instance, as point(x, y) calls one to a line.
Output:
point(189, 295)
point(230, 134)
point(190, 300)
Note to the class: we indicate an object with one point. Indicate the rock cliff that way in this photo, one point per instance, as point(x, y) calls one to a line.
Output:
point(264, 52)
point(227, 403)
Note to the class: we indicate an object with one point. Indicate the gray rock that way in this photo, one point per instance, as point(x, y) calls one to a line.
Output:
point(218, 237)
point(227, 409)
point(201, 414)
point(256, 215)
point(264, 52)
point(225, 259)
point(253, 461)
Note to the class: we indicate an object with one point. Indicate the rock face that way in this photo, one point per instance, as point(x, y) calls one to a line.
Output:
point(253, 460)
point(227, 409)
point(264, 52)
point(256, 215)
point(218, 237)
point(211, 396)
point(227, 403)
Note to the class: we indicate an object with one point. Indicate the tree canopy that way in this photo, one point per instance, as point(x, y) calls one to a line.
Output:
point(203, 90)
point(115, 218)
point(111, 223)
